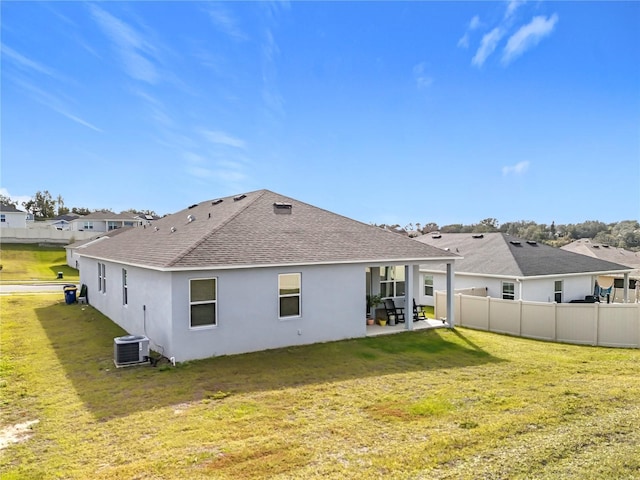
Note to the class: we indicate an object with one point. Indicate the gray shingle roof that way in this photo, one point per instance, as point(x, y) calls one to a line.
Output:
point(9, 208)
point(250, 231)
point(504, 255)
point(105, 216)
point(586, 246)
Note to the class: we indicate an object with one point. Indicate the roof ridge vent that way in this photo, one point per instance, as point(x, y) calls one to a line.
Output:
point(193, 206)
point(239, 197)
point(217, 202)
point(479, 235)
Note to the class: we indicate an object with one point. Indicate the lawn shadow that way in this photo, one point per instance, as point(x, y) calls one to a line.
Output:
point(82, 339)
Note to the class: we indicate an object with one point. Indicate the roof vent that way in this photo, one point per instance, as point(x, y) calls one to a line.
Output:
point(193, 206)
point(480, 235)
point(282, 207)
point(156, 229)
point(515, 242)
point(216, 202)
point(532, 243)
point(605, 246)
point(436, 236)
point(190, 218)
point(239, 197)
point(596, 246)
point(173, 229)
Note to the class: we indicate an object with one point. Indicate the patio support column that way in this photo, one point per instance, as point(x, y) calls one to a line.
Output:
point(626, 288)
point(450, 308)
point(408, 297)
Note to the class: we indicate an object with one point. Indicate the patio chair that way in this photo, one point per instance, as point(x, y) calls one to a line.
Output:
point(397, 313)
point(418, 313)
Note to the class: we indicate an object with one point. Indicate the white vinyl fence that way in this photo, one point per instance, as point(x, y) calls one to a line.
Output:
point(42, 235)
point(608, 325)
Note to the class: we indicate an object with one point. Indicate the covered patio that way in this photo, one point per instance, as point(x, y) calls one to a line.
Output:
point(376, 330)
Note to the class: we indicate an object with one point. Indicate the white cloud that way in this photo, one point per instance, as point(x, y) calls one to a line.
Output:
point(512, 6)
point(223, 138)
point(528, 36)
point(225, 22)
point(26, 63)
point(487, 46)
point(474, 23)
point(517, 169)
point(133, 48)
point(16, 198)
point(422, 79)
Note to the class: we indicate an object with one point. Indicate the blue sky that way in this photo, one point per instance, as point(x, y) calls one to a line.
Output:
point(386, 112)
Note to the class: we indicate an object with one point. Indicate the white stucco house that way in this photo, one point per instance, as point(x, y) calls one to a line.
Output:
point(502, 266)
point(250, 272)
point(103, 221)
point(11, 217)
point(72, 250)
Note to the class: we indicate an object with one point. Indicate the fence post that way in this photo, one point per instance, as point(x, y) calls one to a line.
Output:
point(555, 321)
point(597, 323)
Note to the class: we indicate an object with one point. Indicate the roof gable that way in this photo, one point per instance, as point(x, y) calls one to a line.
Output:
point(501, 254)
point(258, 229)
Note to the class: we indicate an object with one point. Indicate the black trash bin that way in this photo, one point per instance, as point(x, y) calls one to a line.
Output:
point(70, 294)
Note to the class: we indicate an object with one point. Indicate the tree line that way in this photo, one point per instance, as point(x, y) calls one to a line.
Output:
point(44, 206)
point(624, 234)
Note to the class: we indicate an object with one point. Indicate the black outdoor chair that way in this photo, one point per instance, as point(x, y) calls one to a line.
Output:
point(397, 313)
point(418, 313)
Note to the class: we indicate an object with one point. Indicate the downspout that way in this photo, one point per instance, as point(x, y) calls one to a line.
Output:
point(450, 310)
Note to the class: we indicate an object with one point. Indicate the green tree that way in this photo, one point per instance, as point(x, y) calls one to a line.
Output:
point(80, 211)
point(4, 200)
point(41, 205)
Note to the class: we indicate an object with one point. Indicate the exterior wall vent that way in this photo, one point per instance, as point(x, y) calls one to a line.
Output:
point(239, 197)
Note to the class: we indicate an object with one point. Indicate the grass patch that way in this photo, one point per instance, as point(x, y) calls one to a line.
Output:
point(27, 263)
point(427, 404)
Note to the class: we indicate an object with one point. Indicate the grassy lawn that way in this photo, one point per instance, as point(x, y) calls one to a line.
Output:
point(432, 404)
point(29, 263)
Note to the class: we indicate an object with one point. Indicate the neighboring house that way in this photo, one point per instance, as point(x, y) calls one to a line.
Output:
point(144, 219)
point(103, 221)
point(614, 283)
point(73, 257)
point(250, 272)
point(11, 217)
point(501, 266)
point(62, 222)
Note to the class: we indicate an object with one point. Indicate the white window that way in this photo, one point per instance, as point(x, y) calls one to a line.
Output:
point(203, 302)
point(428, 285)
point(557, 293)
point(289, 292)
point(392, 281)
point(102, 278)
point(125, 292)
point(87, 226)
point(3, 218)
point(112, 225)
point(508, 290)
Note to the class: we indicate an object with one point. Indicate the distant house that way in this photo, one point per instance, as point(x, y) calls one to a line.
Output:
point(11, 217)
point(501, 266)
point(62, 222)
point(250, 272)
point(614, 284)
point(103, 221)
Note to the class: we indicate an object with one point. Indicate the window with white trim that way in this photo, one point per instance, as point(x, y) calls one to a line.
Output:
point(428, 285)
point(112, 225)
point(392, 283)
point(125, 288)
point(289, 293)
point(557, 291)
point(3, 218)
point(87, 226)
point(508, 290)
point(102, 278)
point(203, 302)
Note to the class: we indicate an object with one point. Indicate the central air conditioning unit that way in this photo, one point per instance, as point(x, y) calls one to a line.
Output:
point(130, 350)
